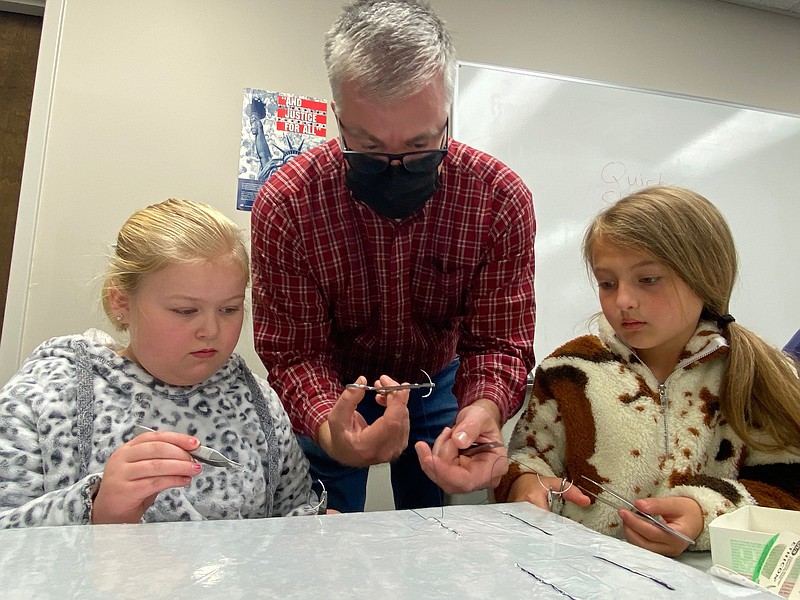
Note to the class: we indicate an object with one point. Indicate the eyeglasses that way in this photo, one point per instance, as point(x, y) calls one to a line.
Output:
point(416, 161)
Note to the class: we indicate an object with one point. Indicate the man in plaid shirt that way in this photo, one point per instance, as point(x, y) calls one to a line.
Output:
point(387, 252)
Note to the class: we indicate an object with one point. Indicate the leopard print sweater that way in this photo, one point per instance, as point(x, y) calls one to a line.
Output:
point(598, 411)
point(75, 401)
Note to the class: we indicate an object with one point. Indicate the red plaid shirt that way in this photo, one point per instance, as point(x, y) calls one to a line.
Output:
point(340, 291)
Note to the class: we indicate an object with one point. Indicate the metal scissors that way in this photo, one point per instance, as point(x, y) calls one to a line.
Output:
point(394, 388)
point(624, 503)
point(202, 454)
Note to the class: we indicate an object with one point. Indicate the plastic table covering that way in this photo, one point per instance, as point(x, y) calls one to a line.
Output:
point(467, 551)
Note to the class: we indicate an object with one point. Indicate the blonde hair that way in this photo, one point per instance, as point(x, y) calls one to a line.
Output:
point(173, 231)
point(687, 233)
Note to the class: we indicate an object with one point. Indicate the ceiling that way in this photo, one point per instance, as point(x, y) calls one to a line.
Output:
point(784, 7)
point(27, 7)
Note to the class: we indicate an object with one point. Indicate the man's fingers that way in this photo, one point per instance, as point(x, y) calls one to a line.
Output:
point(396, 399)
point(346, 404)
point(459, 474)
point(475, 422)
point(423, 450)
point(397, 405)
point(444, 447)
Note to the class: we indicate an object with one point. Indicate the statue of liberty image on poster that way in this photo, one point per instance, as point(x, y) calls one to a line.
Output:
point(276, 127)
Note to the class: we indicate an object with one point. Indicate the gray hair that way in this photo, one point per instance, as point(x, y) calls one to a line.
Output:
point(389, 49)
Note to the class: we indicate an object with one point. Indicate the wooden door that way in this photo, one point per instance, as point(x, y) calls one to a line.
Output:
point(19, 49)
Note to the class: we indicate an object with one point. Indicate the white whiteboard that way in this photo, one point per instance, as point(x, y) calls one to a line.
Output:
point(580, 145)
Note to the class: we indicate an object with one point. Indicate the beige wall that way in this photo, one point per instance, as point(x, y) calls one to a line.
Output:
point(139, 101)
point(702, 48)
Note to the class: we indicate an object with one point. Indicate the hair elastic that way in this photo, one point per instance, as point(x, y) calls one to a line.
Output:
point(724, 320)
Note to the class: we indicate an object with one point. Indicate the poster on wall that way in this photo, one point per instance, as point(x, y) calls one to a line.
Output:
point(276, 127)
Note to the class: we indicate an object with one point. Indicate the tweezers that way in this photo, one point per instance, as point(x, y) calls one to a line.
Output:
point(627, 504)
point(202, 454)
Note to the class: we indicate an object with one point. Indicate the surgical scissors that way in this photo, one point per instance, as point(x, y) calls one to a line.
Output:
point(202, 454)
point(624, 503)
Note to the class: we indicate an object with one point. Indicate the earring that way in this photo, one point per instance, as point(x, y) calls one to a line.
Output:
point(118, 318)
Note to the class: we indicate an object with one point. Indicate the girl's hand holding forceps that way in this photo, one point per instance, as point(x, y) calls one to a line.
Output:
point(203, 454)
point(682, 515)
point(657, 524)
point(138, 470)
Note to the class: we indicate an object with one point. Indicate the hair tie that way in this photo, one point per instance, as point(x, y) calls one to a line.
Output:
point(724, 320)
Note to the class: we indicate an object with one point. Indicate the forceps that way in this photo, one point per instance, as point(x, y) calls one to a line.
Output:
point(202, 454)
point(624, 503)
point(478, 447)
point(394, 388)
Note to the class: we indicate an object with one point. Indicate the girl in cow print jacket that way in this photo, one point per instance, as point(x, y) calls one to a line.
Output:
point(672, 402)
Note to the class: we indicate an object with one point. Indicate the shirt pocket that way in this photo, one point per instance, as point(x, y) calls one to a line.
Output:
point(439, 289)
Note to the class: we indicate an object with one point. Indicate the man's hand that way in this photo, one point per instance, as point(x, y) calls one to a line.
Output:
point(346, 437)
point(138, 470)
point(458, 474)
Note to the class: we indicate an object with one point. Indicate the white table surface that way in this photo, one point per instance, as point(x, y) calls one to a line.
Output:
point(470, 552)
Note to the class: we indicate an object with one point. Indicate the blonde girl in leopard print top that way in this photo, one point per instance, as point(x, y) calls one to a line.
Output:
point(672, 403)
point(68, 455)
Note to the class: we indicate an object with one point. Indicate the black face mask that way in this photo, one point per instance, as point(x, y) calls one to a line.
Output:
point(395, 192)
